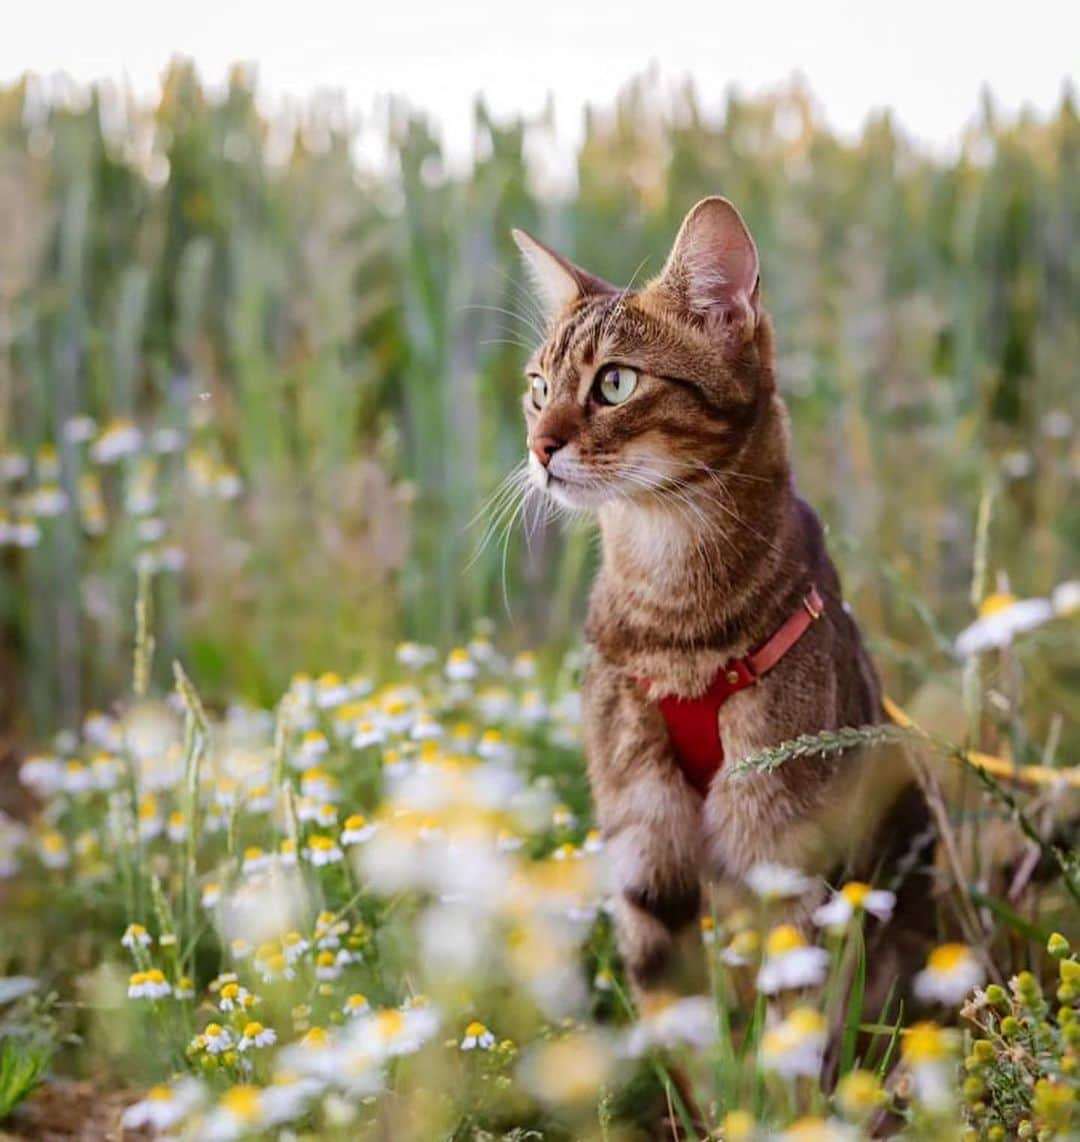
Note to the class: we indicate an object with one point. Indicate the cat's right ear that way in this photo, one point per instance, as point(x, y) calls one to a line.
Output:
point(557, 280)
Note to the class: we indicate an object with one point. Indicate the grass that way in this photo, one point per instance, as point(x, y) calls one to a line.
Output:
point(252, 394)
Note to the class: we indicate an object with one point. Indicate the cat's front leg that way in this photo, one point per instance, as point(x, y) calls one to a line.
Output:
point(650, 819)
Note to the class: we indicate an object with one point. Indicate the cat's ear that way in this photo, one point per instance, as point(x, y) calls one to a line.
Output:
point(558, 281)
point(712, 271)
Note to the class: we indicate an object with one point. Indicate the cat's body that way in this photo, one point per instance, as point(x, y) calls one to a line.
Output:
point(659, 410)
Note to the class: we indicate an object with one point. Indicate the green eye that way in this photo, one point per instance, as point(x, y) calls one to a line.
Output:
point(539, 389)
point(617, 384)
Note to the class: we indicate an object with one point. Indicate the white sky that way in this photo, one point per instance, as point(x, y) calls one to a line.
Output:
point(927, 59)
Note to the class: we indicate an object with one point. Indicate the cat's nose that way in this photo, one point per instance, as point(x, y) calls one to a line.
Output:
point(544, 447)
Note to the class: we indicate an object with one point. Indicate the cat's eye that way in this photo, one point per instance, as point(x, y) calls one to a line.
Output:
point(539, 389)
point(616, 384)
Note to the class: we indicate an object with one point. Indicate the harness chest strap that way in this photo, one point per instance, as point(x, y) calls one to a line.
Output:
point(694, 723)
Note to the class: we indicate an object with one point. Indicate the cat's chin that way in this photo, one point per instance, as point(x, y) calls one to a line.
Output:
point(577, 495)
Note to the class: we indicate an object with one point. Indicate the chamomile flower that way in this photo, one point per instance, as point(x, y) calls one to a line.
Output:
point(459, 666)
point(368, 733)
point(356, 1004)
point(148, 985)
point(772, 881)
point(426, 728)
point(255, 861)
point(1001, 618)
point(853, 898)
point(477, 1037)
point(52, 850)
point(256, 1035)
point(414, 656)
point(708, 930)
point(293, 945)
point(184, 988)
point(42, 775)
point(814, 1129)
point(136, 936)
point(796, 1046)
point(327, 965)
point(321, 850)
point(790, 962)
point(78, 778)
point(211, 894)
point(233, 997)
point(239, 1111)
point(119, 438)
point(313, 746)
point(394, 1031)
point(357, 829)
point(176, 828)
point(604, 980)
point(928, 1051)
point(287, 852)
point(951, 973)
point(563, 818)
point(216, 1039)
point(151, 820)
point(690, 1021)
point(164, 1107)
point(330, 691)
point(319, 785)
point(859, 1093)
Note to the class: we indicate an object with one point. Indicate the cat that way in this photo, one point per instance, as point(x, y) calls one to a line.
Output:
point(658, 410)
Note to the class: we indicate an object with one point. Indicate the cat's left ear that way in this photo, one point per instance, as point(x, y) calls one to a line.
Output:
point(712, 271)
point(558, 281)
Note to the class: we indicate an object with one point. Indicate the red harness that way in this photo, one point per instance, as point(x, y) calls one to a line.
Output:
point(694, 723)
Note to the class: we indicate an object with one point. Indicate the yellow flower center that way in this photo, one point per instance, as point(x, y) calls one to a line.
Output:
point(316, 1037)
point(855, 893)
point(159, 1094)
point(391, 1023)
point(253, 1029)
point(475, 1030)
point(783, 939)
point(243, 1102)
point(925, 1043)
point(356, 821)
point(948, 957)
point(998, 601)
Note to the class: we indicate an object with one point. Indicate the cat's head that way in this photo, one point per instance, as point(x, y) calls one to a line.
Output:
point(638, 394)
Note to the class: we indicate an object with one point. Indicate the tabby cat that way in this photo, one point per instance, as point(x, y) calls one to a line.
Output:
point(658, 410)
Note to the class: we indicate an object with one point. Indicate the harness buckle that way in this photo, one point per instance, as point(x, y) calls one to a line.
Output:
point(813, 609)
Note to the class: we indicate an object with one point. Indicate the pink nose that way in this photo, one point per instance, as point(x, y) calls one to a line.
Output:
point(544, 447)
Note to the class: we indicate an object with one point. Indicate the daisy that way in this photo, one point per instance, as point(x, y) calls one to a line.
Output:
point(1001, 618)
point(356, 1004)
point(395, 1031)
point(217, 1039)
point(211, 894)
point(330, 691)
point(563, 818)
point(477, 1037)
point(52, 850)
point(313, 745)
point(796, 1046)
point(690, 1021)
point(240, 948)
point(928, 1051)
point(164, 1107)
point(185, 988)
point(255, 861)
point(772, 881)
point(812, 1129)
point(256, 1035)
point(176, 828)
point(524, 666)
point(287, 852)
point(327, 966)
point(852, 898)
point(533, 709)
point(319, 785)
point(426, 728)
point(494, 747)
point(294, 946)
point(329, 930)
point(136, 936)
point(357, 830)
point(790, 962)
point(119, 438)
point(951, 973)
point(321, 850)
point(708, 930)
point(239, 1112)
point(148, 985)
point(367, 733)
point(233, 997)
point(260, 799)
point(78, 778)
point(414, 656)
point(43, 776)
point(459, 666)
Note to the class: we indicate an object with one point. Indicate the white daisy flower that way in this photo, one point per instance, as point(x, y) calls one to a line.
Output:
point(952, 972)
point(166, 440)
point(426, 728)
point(773, 881)
point(255, 861)
point(218, 1039)
point(690, 1021)
point(929, 1054)
point(319, 785)
point(256, 1035)
point(796, 1046)
point(136, 936)
point(1001, 618)
point(368, 733)
point(790, 962)
point(211, 894)
point(477, 1037)
point(357, 829)
point(13, 466)
point(120, 438)
point(42, 775)
point(240, 1112)
point(330, 691)
point(524, 666)
point(415, 656)
point(394, 1031)
point(459, 666)
point(854, 897)
point(164, 1107)
point(533, 709)
point(52, 850)
point(148, 985)
point(313, 745)
point(294, 946)
point(48, 501)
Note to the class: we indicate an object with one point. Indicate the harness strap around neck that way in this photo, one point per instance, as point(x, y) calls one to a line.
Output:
point(694, 723)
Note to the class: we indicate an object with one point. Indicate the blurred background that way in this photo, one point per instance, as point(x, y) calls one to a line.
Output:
point(262, 325)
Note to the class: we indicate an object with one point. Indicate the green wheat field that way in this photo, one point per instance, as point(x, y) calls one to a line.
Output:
point(294, 830)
